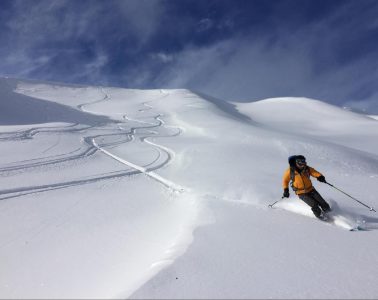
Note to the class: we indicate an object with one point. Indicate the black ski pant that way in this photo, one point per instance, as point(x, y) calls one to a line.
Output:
point(316, 202)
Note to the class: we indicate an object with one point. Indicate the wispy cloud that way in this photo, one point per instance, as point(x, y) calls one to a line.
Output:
point(309, 61)
point(66, 39)
point(238, 50)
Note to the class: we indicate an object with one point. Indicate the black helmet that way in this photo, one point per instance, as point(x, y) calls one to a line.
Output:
point(294, 159)
point(300, 160)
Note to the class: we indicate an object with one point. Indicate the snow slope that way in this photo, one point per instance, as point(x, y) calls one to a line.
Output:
point(115, 193)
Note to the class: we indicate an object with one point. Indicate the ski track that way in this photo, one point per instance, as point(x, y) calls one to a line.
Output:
point(105, 98)
point(144, 139)
point(30, 133)
point(123, 136)
point(93, 146)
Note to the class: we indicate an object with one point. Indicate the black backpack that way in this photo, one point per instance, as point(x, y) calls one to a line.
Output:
point(292, 169)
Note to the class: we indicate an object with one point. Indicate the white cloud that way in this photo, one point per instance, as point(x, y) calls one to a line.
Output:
point(369, 105)
point(247, 67)
point(163, 57)
point(205, 24)
point(250, 68)
point(239, 69)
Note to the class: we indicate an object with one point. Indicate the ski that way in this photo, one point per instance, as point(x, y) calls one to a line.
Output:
point(336, 220)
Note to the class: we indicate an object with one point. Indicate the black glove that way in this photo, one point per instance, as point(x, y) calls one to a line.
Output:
point(321, 178)
point(286, 193)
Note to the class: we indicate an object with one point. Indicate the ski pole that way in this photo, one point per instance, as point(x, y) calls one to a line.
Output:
point(271, 205)
point(370, 208)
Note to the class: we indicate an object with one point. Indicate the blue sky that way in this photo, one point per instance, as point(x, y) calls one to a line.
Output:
point(241, 50)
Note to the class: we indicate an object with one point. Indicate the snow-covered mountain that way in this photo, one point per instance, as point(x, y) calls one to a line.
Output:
point(119, 193)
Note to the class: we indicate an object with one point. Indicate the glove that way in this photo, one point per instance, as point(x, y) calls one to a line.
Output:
point(321, 178)
point(286, 193)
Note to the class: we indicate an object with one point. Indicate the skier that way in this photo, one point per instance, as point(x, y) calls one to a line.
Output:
point(299, 175)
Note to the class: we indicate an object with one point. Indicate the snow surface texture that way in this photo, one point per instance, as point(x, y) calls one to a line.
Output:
point(115, 193)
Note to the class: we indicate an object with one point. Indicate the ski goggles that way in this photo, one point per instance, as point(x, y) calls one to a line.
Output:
point(300, 161)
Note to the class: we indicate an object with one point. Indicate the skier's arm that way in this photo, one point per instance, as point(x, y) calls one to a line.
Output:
point(286, 179)
point(319, 176)
point(314, 173)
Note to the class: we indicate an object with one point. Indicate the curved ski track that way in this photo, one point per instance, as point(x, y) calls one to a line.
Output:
point(92, 146)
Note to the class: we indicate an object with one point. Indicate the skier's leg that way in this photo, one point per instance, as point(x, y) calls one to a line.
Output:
point(322, 203)
point(312, 203)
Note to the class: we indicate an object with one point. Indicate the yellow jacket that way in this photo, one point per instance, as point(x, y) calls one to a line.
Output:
point(302, 182)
